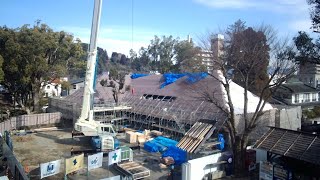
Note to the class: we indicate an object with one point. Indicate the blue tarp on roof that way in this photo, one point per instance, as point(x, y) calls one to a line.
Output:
point(136, 75)
point(195, 77)
point(170, 78)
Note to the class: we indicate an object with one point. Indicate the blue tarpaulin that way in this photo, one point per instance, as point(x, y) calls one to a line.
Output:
point(165, 141)
point(152, 146)
point(135, 76)
point(170, 78)
point(191, 78)
point(179, 155)
point(195, 77)
point(159, 144)
point(221, 140)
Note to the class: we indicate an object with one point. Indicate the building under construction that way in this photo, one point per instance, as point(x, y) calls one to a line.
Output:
point(168, 103)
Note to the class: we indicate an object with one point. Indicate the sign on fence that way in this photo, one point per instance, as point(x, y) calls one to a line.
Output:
point(114, 156)
point(50, 168)
point(74, 163)
point(95, 161)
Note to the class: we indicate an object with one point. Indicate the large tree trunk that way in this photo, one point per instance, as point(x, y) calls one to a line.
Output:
point(36, 93)
point(36, 100)
point(239, 152)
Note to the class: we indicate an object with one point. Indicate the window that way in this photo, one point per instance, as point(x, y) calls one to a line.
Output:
point(158, 97)
point(296, 98)
point(314, 97)
point(306, 97)
point(105, 129)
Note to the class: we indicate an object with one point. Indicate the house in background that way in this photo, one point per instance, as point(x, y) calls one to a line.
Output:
point(295, 92)
point(53, 87)
point(309, 73)
point(76, 84)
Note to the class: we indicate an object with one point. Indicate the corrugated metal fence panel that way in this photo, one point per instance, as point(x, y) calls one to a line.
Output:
point(14, 165)
point(30, 120)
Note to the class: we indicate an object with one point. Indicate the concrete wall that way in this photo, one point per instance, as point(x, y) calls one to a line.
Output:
point(197, 167)
point(289, 118)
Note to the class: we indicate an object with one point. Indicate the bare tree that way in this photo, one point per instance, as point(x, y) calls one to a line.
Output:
point(117, 82)
point(248, 55)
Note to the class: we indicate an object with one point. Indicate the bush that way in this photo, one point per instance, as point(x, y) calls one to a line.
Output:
point(17, 112)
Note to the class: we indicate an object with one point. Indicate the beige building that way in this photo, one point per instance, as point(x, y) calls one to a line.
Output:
point(211, 57)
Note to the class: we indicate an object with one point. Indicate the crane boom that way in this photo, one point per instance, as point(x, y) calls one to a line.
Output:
point(86, 124)
point(87, 104)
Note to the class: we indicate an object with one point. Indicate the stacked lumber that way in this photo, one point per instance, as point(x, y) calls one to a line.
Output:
point(135, 137)
point(131, 137)
point(146, 132)
point(156, 133)
point(136, 170)
point(141, 138)
point(194, 137)
point(128, 129)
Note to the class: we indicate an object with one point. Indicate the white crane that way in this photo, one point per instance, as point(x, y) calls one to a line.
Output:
point(86, 124)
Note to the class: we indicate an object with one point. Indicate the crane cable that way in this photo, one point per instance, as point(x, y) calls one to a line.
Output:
point(132, 24)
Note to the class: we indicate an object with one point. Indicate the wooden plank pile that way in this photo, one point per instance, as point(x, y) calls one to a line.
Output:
point(136, 170)
point(195, 136)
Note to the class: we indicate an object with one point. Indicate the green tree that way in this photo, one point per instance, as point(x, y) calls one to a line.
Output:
point(247, 55)
point(1, 71)
point(308, 51)
point(141, 63)
point(161, 53)
point(188, 57)
point(315, 14)
point(79, 68)
point(32, 57)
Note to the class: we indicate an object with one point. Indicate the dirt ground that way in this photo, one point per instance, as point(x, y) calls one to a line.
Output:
point(35, 148)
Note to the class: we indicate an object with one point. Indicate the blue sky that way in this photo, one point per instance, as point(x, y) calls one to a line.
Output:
point(155, 17)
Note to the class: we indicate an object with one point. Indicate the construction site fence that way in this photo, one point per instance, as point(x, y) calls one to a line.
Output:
point(30, 120)
point(14, 168)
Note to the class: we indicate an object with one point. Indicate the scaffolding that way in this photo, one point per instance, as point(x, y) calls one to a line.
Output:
point(170, 115)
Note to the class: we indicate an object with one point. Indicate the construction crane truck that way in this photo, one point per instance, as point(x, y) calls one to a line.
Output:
point(102, 133)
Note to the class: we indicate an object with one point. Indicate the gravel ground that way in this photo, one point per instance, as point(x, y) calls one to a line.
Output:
point(35, 148)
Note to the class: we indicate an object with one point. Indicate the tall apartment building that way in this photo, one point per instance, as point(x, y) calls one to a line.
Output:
point(211, 57)
point(309, 74)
